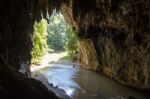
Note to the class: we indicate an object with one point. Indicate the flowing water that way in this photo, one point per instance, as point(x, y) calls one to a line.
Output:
point(85, 84)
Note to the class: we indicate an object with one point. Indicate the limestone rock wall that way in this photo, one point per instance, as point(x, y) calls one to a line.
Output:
point(88, 56)
point(16, 29)
point(120, 33)
point(16, 22)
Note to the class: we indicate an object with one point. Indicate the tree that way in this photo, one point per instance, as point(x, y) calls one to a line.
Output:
point(56, 31)
point(60, 35)
point(39, 40)
point(71, 43)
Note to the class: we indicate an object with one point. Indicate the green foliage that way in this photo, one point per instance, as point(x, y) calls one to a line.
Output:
point(71, 43)
point(56, 32)
point(60, 35)
point(39, 40)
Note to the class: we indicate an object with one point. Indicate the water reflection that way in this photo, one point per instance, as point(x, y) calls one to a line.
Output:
point(61, 76)
point(84, 84)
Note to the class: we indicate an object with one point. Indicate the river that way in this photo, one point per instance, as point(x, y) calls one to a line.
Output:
point(85, 84)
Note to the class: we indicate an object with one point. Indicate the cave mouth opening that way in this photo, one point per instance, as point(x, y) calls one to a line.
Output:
point(57, 30)
point(129, 64)
point(57, 43)
point(53, 40)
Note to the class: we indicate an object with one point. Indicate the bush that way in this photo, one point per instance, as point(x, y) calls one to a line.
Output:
point(39, 40)
point(71, 43)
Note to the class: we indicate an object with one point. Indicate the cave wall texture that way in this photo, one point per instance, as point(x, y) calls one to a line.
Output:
point(114, 38)
point(16, 28)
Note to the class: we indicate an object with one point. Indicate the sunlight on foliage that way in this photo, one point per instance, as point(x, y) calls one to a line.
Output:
point(56, 32)
point(71, 43)
point(60, 35)
point(39, 40)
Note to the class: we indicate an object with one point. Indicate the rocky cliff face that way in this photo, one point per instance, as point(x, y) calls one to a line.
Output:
point(116, 34)
point(88, 56)
point(16, 25)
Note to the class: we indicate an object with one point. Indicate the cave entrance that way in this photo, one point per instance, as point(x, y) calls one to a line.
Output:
point(60, 37)
point(54, 45)
point(53, 37)
point(57, 32)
